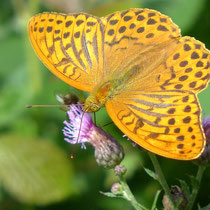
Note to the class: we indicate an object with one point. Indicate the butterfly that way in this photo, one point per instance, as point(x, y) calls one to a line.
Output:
point(137, 65)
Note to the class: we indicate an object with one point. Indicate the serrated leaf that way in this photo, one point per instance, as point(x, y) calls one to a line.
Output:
point(194, 182)
point(151, 173)
point(185, 188)
point(34, 171)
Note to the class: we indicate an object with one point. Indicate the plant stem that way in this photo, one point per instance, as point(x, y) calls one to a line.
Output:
point(129, 196)
point(162, 179)
point(193, 196)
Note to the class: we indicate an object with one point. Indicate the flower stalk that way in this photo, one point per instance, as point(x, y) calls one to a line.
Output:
point(195, 190)
point(128, 195)
point(162, 179)
point(125, 190)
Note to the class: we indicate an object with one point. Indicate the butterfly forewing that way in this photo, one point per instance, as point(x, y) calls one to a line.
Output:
point(185, 66)
point(133, 32)
point(70, 46)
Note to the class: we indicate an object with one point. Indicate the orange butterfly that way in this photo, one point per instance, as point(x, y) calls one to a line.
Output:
point(135, 63)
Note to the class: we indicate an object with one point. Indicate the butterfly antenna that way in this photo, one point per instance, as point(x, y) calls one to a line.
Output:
point(51, 106)
point(35, 106)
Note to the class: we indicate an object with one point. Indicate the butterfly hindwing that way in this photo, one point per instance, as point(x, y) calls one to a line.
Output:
point(164, 122)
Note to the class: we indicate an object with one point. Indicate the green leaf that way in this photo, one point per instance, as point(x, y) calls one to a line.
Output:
point(205, 208)
point(194, 182)
point(111, 195)
point(185, 188)
point(35, 171)
point(151, 173)
point(155, 200)
point(178, 202)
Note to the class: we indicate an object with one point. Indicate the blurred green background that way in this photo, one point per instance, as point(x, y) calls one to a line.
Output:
point(36, 171)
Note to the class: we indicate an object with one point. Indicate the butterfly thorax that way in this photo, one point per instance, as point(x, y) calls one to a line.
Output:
point(104, 92)
point(100, 95)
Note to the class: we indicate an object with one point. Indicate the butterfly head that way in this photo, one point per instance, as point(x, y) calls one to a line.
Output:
point(91, 104)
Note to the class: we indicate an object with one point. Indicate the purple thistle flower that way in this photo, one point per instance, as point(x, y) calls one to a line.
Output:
point(206, 127)
point(80, 129)
point(205, 156)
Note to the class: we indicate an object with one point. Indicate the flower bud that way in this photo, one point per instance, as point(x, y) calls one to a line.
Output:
point(120, 170)
point(117, 188)
point(108, 152)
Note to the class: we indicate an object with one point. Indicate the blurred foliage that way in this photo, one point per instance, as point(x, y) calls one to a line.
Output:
point(35, 164)
point(27, 172)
